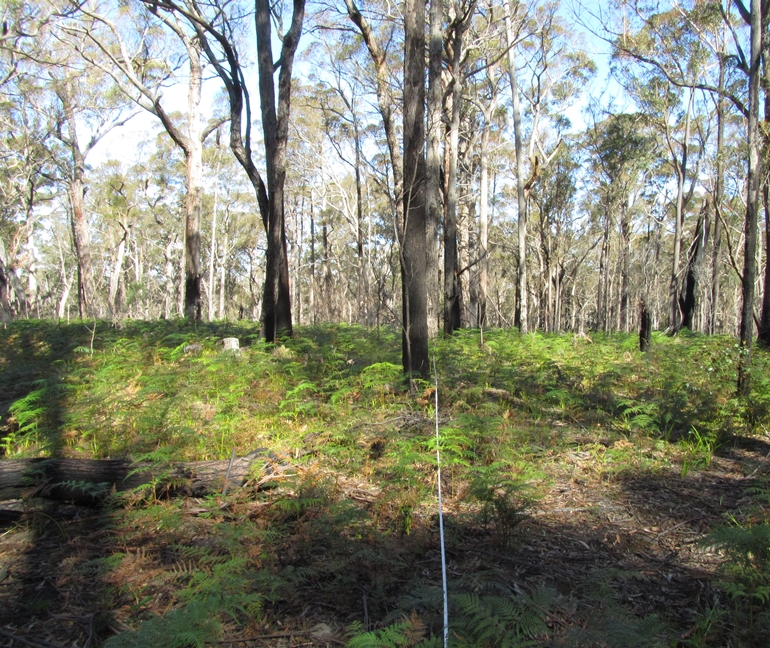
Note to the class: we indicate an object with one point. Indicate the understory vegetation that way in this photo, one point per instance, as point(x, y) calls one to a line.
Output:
point(593, 494)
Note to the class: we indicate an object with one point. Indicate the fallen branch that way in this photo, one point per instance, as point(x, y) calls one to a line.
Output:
point(86, 481)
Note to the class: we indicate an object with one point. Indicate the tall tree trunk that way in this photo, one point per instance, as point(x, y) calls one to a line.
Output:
point(520, 319)
point(223, 272)
point(169, 285)
point(681, 177)
point(276, 300)
point(362, 284)
point(311, 290)
point(81, 237)
point(433, 161)
point(194, 161)
point(763, 336)
point(752, 205)
point(81, 234)
point(625, 268)
point(484, 213)
point(602, 298)
point(213, 246)
point(6, 311)
point(716, 262)
point(414, 244)
point(385, 104)
point(452, 313)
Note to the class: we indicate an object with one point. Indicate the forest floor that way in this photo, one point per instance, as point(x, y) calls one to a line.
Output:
point(565, 527)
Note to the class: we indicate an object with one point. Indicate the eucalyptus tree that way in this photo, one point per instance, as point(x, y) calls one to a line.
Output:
point(408, 168)
point(747, 47)
point(671, 109)
point(216, 26)
point(514, 20)
point(26, 184)
point(556, 216)
point(25, 149)
point(341, 98)
point(620, 150)
point(460, 19)
point(554, 76)
point(116, 198)
point(81, 109)
point(132, 47)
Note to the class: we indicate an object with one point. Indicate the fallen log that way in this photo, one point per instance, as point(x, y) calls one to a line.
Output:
point(84, 481)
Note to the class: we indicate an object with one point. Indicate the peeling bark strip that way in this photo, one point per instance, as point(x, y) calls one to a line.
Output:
point(85, 480)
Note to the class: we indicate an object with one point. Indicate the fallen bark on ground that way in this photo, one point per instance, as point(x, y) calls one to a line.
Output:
point(88, 480)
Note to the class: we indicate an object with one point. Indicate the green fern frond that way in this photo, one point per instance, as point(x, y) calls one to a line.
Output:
point(191, 626)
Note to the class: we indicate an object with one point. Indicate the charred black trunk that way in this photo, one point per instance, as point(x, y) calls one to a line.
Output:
point(645, 330)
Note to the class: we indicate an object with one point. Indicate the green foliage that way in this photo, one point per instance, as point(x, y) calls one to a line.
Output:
point(343, 507)
point(699, 449)
point(504, 622)
point(608, 623)
point(408, 633)
point(746, 572)
point(191, 626)
point(504, 502)
point(26, 413)
point(475, 621)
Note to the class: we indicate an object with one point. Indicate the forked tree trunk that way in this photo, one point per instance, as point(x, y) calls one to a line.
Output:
point(276, 300)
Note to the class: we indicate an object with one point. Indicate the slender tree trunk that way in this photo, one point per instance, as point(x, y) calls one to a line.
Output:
point(385, 104)
point(433, 162)
point(213, 246)
point(223, 272)
point(602, 298)
point(763, 336)
point(414, 245)
point(484, 214)
point(169, 285)
point(645, 330)
point(625, 269)
point(752, 205)
point(115, 275)
point(681, 177)
point(716, 263)
point(311, 290)
point(6, 311)
point(521, 285)
point(81, 236)
point(194, 160)
point(452, 313)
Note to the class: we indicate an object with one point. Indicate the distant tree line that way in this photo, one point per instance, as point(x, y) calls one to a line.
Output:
point(431, 165)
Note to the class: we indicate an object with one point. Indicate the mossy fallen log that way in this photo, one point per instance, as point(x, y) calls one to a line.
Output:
point(89, 480)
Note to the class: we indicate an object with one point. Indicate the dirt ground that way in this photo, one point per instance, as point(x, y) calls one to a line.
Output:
point(641, 530)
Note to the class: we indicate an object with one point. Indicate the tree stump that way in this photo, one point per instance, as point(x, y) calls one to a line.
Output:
point(645, 330)
point(231, 344)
